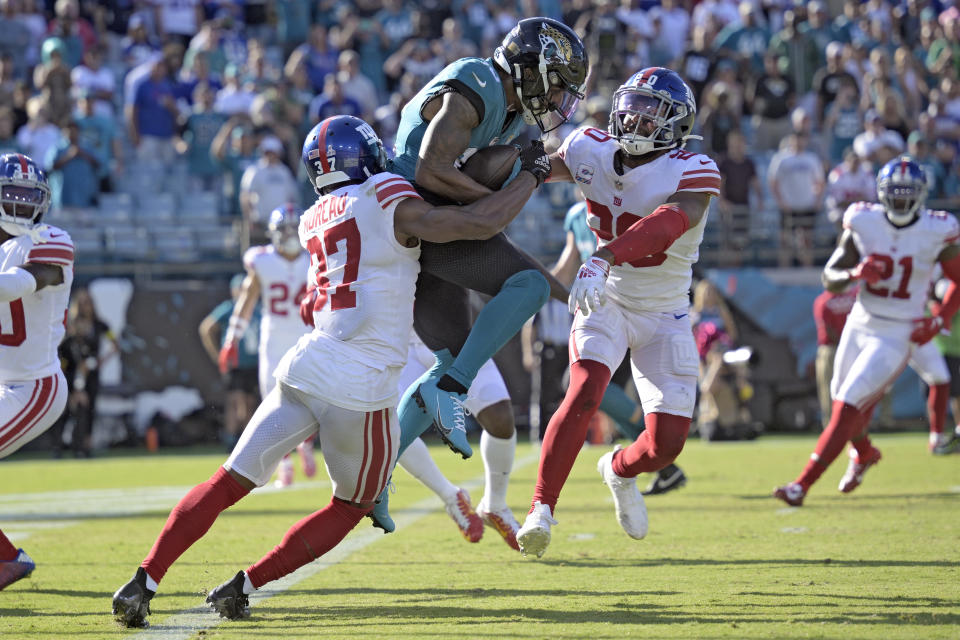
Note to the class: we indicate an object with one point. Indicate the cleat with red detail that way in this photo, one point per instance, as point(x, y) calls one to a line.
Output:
point(305, 449)
point(503, 522)
point(856, 468)
point(469, 523)
point(793, 494)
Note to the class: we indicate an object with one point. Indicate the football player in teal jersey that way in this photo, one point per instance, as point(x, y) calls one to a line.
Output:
point(535, 77)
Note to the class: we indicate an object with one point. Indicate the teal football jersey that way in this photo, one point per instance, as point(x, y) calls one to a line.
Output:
point(576, 223)
point(477, 80)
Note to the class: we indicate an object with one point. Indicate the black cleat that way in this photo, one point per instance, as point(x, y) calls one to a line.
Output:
point(669, 478)
point(946, 448)
point(131, 602)
point(229, 600)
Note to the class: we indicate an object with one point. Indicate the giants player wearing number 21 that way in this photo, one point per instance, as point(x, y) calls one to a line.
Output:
point(36, 271)
point(277, 278)
point(893, 247)
point(646, 201)
point(339, 382)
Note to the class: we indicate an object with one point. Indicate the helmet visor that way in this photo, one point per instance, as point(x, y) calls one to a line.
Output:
point(21, 202)
point(640, 114)
point(560, 107)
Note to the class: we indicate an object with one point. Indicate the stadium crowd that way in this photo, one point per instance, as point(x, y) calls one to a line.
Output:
point(159, 113)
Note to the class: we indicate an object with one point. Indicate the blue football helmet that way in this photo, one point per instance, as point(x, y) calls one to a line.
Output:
point(24, 193)
point(342, 149)
point(902, 188)
point(283, 229)
point(653, 110)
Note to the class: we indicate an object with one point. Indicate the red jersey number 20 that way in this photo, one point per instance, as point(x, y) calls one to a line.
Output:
point(15, 334)
point(340, 238)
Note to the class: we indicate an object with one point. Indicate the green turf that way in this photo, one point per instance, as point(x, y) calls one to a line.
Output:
point(722, 560)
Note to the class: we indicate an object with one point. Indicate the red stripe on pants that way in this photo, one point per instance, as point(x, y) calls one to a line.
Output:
point(36, 411)
point(363, 460)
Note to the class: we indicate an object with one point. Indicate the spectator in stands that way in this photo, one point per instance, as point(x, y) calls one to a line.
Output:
point(605, 36)
point(333, 101)
point(8, 83)
point(718, 118)
point(365, 36)
point(416, 58)
point(671, 24)
point(198, 72)
point(829, 79)
point(178, 20)
point(740, 179)
point(395, 22)
point(8, 140)
point(77, 34)
point(818, 29)
point(236, 96)
point(100, 135)
point(770, 99)
point(152, 117)
point(208, 41)
point(259, 74)
point(38, 136)
point(830, 312)
point(719, 12)
point(96, 81)
point(52, 79)
point(800, 52)
point(796, 180)
point(745, 41)
point(452, 46)
point(841, 124)
point(943, 57)
point(137, 46)
point(357, 86)
point(235, 149)
point(877, 144)
point(909, 76)
point(852, 180)
point(919, 149)
point(74, 176)
point(801, 124)
point(264, 186)
point(14, 37)
point(293, 22)
point(199, 131)
point(319, 54)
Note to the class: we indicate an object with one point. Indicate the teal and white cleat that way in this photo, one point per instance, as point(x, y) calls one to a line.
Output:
point(381, 514)
point(449, 416)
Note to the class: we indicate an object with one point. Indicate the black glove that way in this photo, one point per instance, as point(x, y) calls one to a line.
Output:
point(534, 159)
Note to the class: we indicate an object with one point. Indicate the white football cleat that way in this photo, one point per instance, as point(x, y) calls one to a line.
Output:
point(284, 473)
point(631, 509)
point(534, 536)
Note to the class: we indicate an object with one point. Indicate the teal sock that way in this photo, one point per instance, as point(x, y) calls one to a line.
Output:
point(521, 296)
point(618, 405)
point(414, 420)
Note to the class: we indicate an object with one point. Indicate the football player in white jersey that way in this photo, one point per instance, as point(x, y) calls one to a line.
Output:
point(893, 247)
point(340, 380)
point(36, 271)
point(277, 278)
point(647, 201)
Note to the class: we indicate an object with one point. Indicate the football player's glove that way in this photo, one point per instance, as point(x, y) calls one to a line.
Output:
point(589, 288)
point(869, 271)
point(925, 329)
point(229, 356)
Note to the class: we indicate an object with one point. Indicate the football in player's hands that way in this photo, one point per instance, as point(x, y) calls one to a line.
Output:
point(491, 166)
point(534, 159)
point(870, 271)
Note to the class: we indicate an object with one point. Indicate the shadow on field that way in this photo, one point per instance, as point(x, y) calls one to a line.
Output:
point(746, 562)
point(861, 498)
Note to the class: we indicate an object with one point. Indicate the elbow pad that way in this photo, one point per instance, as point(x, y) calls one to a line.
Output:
point(16, 283)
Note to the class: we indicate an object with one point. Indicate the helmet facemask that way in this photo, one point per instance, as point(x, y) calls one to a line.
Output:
point(643, 121)
point(548, 101)
point(902, 200)
point(285, 238)
point(22, 204)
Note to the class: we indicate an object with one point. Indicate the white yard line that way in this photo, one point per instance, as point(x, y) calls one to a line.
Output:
point(186, 624)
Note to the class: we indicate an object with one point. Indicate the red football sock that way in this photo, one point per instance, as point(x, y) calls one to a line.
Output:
point(190, 519)
point(567, 429)
point(8, 552)
point(937, 406)
point(659, 445)
point(845, 420)
point(307, 540)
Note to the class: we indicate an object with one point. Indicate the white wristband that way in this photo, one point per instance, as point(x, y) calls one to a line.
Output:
point(236, 329)
point(16, 283)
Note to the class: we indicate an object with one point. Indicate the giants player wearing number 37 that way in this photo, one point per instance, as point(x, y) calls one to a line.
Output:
point(893, 248)
point(36, 271)
point(340, 380)
point(646, 201)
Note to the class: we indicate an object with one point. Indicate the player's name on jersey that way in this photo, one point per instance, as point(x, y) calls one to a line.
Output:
point(326, 209)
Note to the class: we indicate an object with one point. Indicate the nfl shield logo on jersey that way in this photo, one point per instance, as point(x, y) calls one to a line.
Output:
point(585, 173)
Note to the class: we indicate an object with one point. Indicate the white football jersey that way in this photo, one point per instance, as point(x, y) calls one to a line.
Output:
point(907, 256)
point(364, 311)
point(32, 327)
point(283, 283)
point(614, 203)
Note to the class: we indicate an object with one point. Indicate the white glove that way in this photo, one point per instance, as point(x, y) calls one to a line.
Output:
point(589, 287)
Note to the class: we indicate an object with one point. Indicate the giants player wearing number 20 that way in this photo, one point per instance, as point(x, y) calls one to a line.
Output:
point(277, 278)
point(36, 271)
point(893, 248)
point(646, 201)
point(339, 382)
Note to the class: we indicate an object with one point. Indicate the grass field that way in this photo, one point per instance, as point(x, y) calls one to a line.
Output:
point(722, 559)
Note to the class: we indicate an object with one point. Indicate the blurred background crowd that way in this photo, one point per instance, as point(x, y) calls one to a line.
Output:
point(171, 128)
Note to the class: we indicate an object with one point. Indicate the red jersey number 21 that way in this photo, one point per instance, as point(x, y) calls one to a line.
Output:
point(343, 237)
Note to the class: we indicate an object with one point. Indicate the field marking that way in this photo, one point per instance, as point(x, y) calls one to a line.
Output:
point(186, 624)
point(794, 530)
